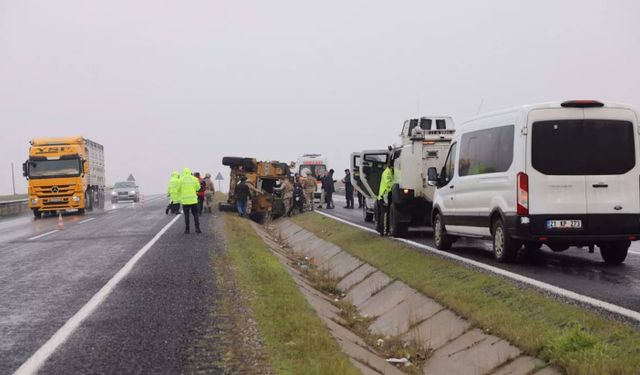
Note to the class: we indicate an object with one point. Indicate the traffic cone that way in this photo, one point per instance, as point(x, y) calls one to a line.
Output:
point(60, 222)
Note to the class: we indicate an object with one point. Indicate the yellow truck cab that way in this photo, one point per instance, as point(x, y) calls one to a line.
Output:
point(65, 174)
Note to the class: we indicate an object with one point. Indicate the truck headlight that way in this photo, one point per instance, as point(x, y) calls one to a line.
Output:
point(34, 201)
point(75, 199)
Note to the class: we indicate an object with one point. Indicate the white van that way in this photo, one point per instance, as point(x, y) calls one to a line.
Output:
point(561, 174)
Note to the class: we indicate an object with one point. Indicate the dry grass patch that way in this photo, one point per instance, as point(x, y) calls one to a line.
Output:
point(295, 338)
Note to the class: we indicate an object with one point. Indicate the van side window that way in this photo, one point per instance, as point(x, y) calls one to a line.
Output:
point(486, 151)
point(448, 169)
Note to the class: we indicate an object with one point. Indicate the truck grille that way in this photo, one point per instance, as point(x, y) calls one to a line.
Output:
point(62, 190)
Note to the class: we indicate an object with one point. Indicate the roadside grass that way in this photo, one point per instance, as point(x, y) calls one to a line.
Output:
point(4, 198)
point(296, 340)
point(570, 338)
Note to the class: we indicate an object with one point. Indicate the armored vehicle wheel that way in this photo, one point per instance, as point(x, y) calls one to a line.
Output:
point(396, 228)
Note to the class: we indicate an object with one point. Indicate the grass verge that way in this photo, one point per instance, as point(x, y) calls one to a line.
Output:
point(573, 339)
point(295, 338)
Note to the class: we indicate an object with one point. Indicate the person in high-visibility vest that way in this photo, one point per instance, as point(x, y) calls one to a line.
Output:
point(188, 187)
point(386, 183)
point(172, 193)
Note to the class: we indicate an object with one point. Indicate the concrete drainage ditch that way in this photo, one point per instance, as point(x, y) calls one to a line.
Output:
point(383, 325)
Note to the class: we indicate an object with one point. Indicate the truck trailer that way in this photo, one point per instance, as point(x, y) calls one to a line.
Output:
point(65, 174)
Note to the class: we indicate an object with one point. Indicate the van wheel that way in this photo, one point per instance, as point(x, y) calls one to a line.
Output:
point(440, 236)
point(614, 252)
point(396, 228)
point(558, 248)
point(505, 249)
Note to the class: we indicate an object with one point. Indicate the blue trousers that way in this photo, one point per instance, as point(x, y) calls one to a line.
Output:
point(242, 207)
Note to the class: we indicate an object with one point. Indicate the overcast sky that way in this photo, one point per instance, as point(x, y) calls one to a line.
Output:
point(168, 84)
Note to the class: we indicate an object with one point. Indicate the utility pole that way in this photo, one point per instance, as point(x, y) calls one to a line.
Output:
point(13, 180)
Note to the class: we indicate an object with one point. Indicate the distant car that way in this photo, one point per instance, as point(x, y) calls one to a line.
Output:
point(123, 191)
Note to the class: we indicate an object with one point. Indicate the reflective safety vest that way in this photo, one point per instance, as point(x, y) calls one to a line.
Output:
point(188, 187)
point(173, 187)
point(386, 182)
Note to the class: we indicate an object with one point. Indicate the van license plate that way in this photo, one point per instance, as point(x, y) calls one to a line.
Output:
point(564, 224)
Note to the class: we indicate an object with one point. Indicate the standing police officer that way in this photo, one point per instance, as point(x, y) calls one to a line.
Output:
point(382, 212)
point(188, 187)
point(174, 198)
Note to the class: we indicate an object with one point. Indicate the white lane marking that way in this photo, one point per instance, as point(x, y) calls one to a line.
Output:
point(634, 252)
point(514, 276)
point(87, 220)
point(33, 364)
point(42, 235)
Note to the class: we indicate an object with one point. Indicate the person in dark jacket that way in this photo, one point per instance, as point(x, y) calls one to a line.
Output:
point(329, 188)
point(200, 192)
point(242, 192)
point(348, 189)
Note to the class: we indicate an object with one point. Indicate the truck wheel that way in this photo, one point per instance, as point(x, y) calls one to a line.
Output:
point(232, 161)
point(81, 211)
point(505, 249)
point(614, 252)
point(440, 236)
point(36, 213)
point(396, 228)
point(225, 207)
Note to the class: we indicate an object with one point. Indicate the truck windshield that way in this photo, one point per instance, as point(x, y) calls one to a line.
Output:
point(317, 170)
point(54, 168)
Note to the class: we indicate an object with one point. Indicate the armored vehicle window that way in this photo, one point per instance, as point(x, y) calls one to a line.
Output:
point(486, 151)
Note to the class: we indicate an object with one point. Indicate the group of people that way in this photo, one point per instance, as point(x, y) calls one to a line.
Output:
point(328, 188)
point(297, 192)
point(193, 193)
point(383, 198)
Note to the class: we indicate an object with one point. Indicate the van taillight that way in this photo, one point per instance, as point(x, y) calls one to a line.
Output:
point(523, 194)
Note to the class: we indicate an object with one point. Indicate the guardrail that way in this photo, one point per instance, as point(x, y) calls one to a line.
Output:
point(13, 207)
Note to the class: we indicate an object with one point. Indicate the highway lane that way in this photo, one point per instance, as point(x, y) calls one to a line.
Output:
point(145, 325)
point(575, 269)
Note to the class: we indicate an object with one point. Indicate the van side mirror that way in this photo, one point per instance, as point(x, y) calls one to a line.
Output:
point(432, 176)
point(25, 169)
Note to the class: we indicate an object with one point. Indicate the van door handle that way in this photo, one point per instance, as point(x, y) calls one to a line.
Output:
point(451, 187)
point(600, 185)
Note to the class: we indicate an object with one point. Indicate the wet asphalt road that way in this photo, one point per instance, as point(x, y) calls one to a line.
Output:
point(146, 325)
point(574, 269)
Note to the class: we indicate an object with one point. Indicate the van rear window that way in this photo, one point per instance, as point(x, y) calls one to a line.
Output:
point(582, 147)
